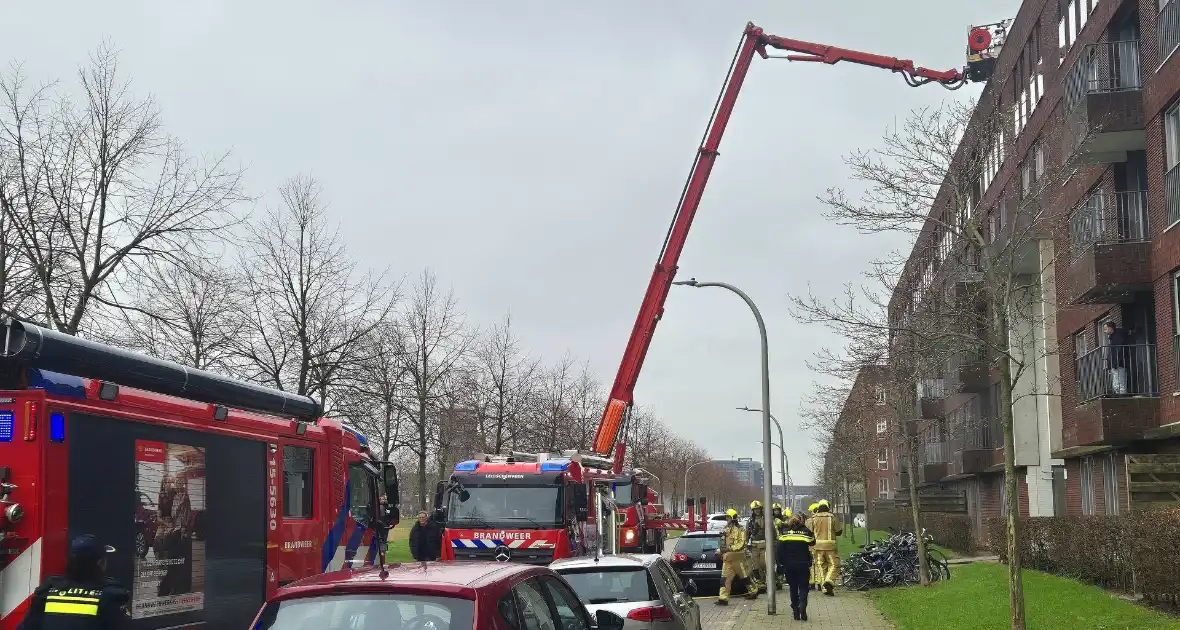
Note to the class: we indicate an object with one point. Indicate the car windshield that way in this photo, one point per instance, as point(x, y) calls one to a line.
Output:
point(514, 507)
point(369, 612)
point(696, 545)
point(611, 584)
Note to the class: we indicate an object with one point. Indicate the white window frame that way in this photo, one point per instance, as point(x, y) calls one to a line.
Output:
point(883, 459)
point(1176, 303)
point(1038, 160)
point(882, 426)
point(1172, 137)
point(882, 396)
point(883, 487)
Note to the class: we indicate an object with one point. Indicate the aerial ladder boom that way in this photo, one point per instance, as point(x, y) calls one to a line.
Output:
point(983, 46)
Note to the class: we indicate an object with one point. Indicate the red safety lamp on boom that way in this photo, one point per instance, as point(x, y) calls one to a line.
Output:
point(984, 44)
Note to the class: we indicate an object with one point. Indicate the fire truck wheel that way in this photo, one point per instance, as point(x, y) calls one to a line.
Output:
point(141, 545)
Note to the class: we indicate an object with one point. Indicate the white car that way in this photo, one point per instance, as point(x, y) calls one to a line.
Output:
point(716, 521)
point(644, 590)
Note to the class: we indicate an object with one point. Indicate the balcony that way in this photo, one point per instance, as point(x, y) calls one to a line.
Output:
point(933, 461)
point(1103, 103)
point(1167, 28)
point(1110, 248)
point(930, 396)
point(967, 372)
point(977, 442)
point(1118, 396)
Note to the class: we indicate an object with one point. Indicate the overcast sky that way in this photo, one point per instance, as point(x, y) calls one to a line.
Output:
point(532, 153)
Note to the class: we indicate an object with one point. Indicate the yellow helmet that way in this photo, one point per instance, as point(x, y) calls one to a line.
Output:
point(731, 513)
point(755, 505)
point(813, 507)
point(778, 506)
point(787, 512)
point(823, 502)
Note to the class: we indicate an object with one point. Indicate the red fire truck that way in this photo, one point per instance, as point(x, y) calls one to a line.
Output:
point(213, 492)
point(536, 508)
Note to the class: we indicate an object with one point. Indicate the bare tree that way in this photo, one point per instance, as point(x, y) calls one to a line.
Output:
point(375, 394)
point(968, 288)
point(553, 402)
point(97, 190)
point(505, 377)
point(311, 309)
point(438, 342)
point(186, 314)
point(586, 404)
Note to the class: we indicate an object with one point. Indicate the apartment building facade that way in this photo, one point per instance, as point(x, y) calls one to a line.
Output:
point(1088, 94)
point(747, 470)
point(868, 431)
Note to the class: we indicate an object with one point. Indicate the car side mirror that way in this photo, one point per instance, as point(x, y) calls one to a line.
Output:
point(440, 515)
point(641, 493)
point(691, 588)
point(389, 483)
point(606, 620)
point(439, 491)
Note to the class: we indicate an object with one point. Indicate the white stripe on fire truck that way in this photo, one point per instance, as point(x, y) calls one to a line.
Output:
point(20, 578)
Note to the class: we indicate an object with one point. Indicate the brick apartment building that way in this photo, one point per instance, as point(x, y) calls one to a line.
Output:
point(869, 422)
point(1088, 89)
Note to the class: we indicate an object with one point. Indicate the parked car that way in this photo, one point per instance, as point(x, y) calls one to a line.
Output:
point(716, 522)
point(643, 588)
point(432, 596)
point(694, 558)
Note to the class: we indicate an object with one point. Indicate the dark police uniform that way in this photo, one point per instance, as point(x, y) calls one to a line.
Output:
point(64, 604)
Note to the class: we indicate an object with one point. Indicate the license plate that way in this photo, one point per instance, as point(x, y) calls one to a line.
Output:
point(705, 565)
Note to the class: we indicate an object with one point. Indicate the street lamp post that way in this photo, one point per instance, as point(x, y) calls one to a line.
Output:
point(784, 471)
point(785, 479)
point(767, 462)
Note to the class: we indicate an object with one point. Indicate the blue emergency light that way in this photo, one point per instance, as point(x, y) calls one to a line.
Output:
point(467, 466)
point(7, 422)
point(555, 465)
point(57, 427)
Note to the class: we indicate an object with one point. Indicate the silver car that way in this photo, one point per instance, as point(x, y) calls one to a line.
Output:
point(641, 588)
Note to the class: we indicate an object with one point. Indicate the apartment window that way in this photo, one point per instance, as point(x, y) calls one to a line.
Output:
point(1176, 326)
point(1026, 177)
point(1110, 485)
point(1038, 151)
point(883, 459)
point(881, 396)
point(882, 426)
point(883, 487)
point(1172, 136)
point(297, 482)
point(1086, 479)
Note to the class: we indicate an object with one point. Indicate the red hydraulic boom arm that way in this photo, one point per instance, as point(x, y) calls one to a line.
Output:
point(754, 41)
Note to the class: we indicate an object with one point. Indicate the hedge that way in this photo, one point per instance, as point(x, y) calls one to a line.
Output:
point(1134, 553)
point(952, 531)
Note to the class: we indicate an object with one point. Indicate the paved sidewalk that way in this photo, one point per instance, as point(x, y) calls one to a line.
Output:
point(845, 611)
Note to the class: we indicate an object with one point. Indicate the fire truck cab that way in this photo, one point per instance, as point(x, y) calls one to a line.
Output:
point(536, 508)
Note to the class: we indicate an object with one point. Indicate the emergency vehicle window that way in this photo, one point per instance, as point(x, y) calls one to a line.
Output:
point(297, 481)
point(360, 484)
point(534, 610)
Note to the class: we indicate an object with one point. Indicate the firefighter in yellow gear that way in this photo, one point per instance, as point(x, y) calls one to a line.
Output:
point(756, 544)
point(781, 518)
point(826, 528)
point(733, 555)
point(815, 577)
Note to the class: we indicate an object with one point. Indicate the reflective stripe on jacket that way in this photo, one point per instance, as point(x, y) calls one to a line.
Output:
point(794, 545)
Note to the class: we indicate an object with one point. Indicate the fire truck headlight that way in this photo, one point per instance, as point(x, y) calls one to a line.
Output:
point(629, 535)
point(13, 513)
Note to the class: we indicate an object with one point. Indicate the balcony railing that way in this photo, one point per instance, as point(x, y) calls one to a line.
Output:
point(1108, 217)
point(1167, 26)
point(933, 453)
point(981, 434)
point(1103, 68)
point(1110, 371)
point(1172, 190)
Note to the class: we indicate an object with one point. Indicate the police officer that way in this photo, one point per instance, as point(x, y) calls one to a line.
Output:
point(733, 552)
point(85, 598)
point(794, 561)
point(756, 544)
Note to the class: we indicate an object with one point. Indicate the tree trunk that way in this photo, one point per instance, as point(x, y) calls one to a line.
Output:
point(1012, 492)
point(848, 496)
point(916, 513)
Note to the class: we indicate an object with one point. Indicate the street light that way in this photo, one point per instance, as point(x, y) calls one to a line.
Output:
point(767, 499)
point(786, 475)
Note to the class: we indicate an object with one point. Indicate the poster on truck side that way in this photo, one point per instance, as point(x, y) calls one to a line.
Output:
point(169, 568)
